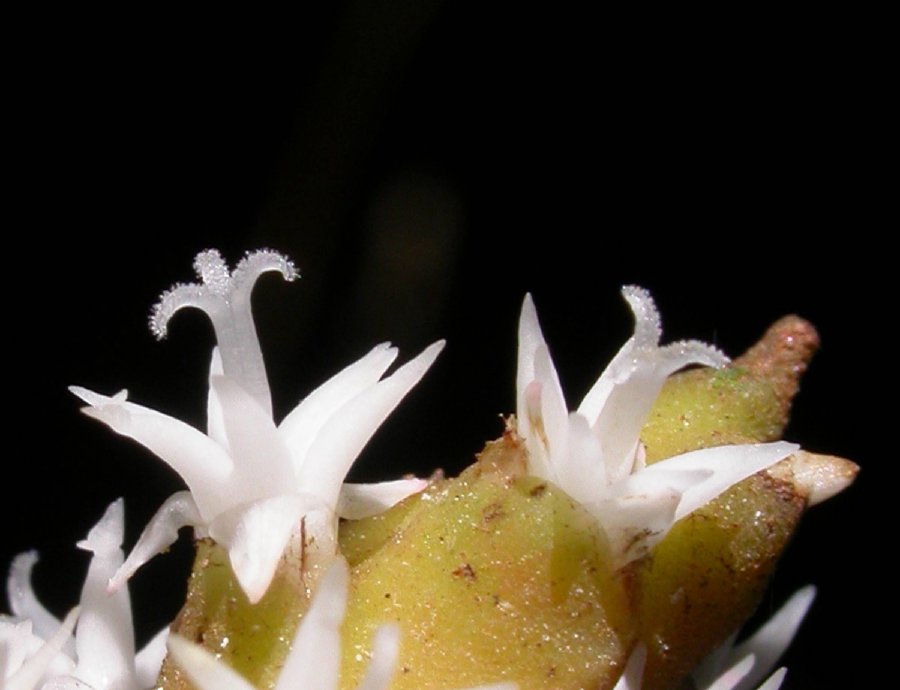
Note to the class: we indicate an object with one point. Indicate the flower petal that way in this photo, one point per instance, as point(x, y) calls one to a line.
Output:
point(550, 428)
point(65, 683)
point(773, 638)
point(299, 429)
point(638, 511)
point(262, 464)
point(179, 510)
point(530, 338)
point(734, 675)
point(347, 432)
point(729, 465)
point(203, 464)
point(385, 646)
point(537, 397)
point(633, 523)
point(315, 657)
point(104, 639)
point(215, 421)
point(256, 535)
point(774, 681)
point(358, 501)
point(709, 668)
point(202, 668)
point(149, 660)
point(634, 670)
point(583, 474)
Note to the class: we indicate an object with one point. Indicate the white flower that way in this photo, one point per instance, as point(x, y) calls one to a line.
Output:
point(102, 654)
point(739, 667)
point(315, 657)
point(255, 487)
point(594, 453)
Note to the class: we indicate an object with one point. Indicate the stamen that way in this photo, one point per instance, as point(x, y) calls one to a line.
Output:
point(225, 297)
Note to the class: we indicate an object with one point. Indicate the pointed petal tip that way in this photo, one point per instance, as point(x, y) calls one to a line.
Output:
point(88, 396)
point(108, 533)
point(177, 511)
point(775, 680)
point(804, 597)
point(357, 501)
point(529, 325)
point(528, 313)
point(423, 361)
point(202, 668)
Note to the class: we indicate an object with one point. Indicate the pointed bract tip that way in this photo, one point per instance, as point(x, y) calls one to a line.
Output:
point(816, 477)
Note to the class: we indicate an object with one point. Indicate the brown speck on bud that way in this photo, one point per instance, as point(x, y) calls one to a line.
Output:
point(465, 571)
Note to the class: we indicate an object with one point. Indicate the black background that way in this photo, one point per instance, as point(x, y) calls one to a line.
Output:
point(425, 166)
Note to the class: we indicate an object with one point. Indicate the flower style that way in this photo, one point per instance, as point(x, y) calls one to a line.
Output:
point(740, 667)
point(255, 487)
point(101, 656)
point(594, 453)
point(315, 657)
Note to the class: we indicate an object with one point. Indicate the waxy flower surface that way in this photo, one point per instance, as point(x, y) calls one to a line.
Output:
point(102, 654)
point(255, 487)
point(315, 657)
point(594, 453)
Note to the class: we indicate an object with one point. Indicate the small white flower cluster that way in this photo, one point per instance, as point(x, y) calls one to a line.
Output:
point(254, 513)
point(38, 651)
point(292, 506)
point(594, 453)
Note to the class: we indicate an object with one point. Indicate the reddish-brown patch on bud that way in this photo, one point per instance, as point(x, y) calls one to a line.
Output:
point(782, 355)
